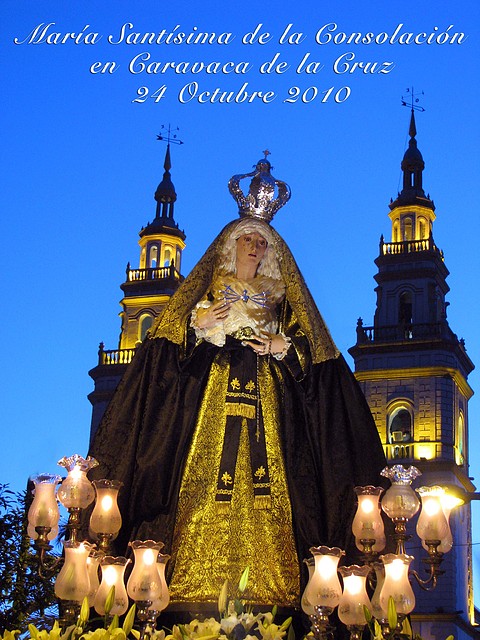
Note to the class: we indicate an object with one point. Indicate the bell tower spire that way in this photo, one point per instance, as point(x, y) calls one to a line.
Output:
point(146, 289)
point(412, 165)
point(412, 212)
point(413, 370)
point(165, 194)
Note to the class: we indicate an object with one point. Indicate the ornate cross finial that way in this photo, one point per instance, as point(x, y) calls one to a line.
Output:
point(266, 153)
point(412, 99)
point(168, 137)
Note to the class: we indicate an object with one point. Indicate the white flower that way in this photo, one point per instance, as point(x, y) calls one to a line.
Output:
point(248, 620)
point(229, 624)
point(209, 629)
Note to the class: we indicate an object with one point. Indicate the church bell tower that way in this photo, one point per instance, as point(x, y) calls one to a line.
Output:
point(146, 290)
point(413, 370)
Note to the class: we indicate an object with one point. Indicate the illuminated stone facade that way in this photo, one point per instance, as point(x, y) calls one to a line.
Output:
point(413, 371)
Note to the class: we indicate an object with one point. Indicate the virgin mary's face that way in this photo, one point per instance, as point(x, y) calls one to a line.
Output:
point(251, 248)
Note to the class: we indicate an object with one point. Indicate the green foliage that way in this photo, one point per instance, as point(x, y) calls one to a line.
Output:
point(80, 631)
point(406, 632)
point(24, 595)
point(242, 585)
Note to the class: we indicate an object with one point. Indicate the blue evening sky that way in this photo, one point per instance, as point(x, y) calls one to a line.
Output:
point(80, 164)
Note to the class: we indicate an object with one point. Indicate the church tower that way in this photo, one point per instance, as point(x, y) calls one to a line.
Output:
point(413, 371)
point(146, 290)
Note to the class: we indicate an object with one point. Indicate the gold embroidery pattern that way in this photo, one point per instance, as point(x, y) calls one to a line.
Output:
point(260, 472)
point(235, 383)
point(250, 386)
point(208, 548)
point(227, 478)
point(249, 396)
point(241, 409)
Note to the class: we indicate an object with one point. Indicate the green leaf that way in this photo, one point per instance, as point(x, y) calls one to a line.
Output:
point(242, 585)
point(286, 623)
point(274, 612)
point(392, 614)
point(129, 620)
point(378, 635)
point(222, 598)
point(407, 628)
point(71, 632)
point(109, 602)
point(291, 633)
point(367, 614)
point(84, 613)
point(113, 624)
point(33, 631)
point(238, 606)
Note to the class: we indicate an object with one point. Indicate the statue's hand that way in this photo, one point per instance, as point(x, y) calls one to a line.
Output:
point(272, 344)
point(213, 315)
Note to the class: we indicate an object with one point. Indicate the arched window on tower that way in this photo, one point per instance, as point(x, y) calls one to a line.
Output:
point(400, 430)
point(396, 232)
point(459, 440)
point(146, 321)
point(407, 229)
point(422, 229)
point(167, 256)
point(152, 256)
point(405, 313)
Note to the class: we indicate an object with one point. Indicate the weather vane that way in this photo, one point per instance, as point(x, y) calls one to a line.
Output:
point(411, 100)
point(168, 136)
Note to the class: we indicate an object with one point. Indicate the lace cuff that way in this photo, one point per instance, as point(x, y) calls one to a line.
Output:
point(281, 354)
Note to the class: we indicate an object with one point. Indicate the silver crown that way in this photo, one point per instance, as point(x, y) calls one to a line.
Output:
point(261, 201)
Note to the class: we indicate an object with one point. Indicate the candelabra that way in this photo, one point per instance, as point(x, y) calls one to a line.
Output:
point(78, 577)
point(387, 576)
point(390, 578)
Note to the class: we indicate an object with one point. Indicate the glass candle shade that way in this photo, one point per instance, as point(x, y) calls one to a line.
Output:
point(33, 535)
point(367, 523)
point(106, 516)
point(43, 511)
point(324, 590)
point(432, 523)
point(113, 570)
point(76, 491)
point(306, 606)
point(400, 501)
point(449, 502)
point(354, 596)
point(161, 603)
point(93, 563)
point(397, 584)
point(144, 583)
point(73, 582)
point(379, 569)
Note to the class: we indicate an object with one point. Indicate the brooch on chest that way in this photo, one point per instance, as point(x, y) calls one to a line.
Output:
point(230, 295)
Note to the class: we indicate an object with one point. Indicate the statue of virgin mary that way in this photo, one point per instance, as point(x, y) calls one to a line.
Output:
point(238, 430)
